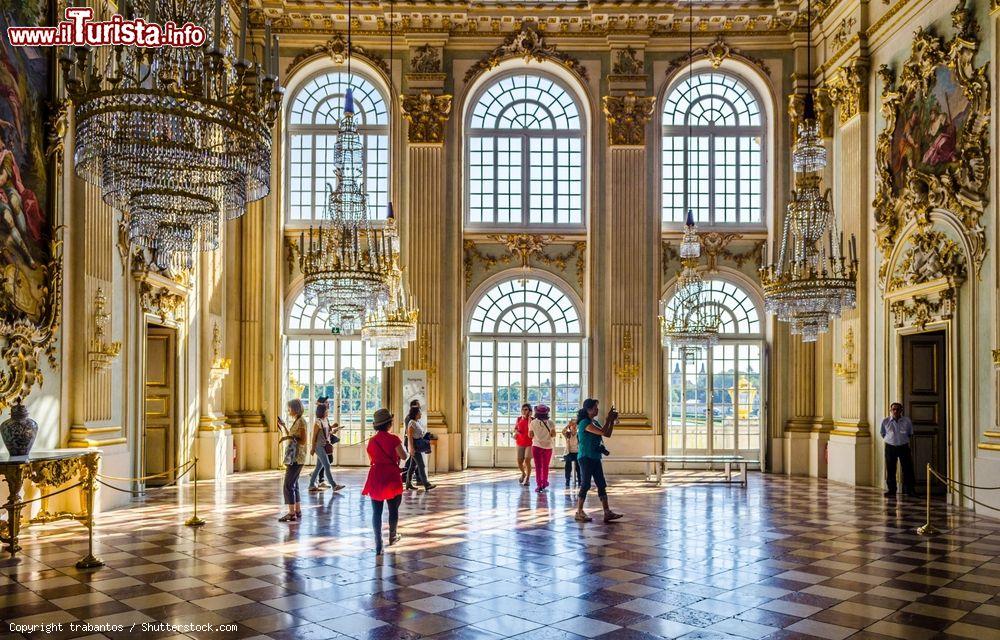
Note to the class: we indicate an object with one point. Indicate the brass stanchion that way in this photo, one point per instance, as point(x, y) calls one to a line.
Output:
point(90, 561)
point(194, 520)
point(928, 529)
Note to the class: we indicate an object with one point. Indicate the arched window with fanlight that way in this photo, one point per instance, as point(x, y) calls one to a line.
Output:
point(713, 151)
point(524, 153)
point(313, 117)
point(715, 395)
point(345, 369)
point(525, 344)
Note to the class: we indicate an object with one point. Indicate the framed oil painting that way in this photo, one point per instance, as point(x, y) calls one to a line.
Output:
point(25, 216)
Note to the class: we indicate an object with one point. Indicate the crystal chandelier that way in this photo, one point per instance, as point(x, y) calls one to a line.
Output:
point(808, 152)
point(810, 284)
point(690, 321)
point(393, 325)
point(175, 138)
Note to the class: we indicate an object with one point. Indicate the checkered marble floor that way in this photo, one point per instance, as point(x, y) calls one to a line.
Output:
point(484, 558)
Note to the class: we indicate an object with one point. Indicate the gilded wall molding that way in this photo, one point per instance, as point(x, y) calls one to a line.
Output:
point(848, 369)
point(336, 50)
point(426, 115)
point(525, 248)
point(627, 117)
point(847, 89)
point(161, 297)
point(715, 246)
point(916, 175)
point(27, 337)
point(921, 310)
point(57, 126)
point(529, 44)
point(717, 52)
point(627, 368)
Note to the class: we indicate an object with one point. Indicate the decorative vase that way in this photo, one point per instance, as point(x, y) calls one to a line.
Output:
point(18, 431)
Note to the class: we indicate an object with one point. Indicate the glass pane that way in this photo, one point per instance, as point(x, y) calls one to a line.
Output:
point(568, 381)
point(696, 402)
point(373, 389)
point(480, 400)
point(723, 392)
point(539, 373)
point(350, 400)
point(510, 395)
point(675, 403)
point(748, 407)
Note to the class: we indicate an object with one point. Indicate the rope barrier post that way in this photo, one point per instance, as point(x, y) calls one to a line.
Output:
point(90, 561)
point(928, 529)
point(194, 520)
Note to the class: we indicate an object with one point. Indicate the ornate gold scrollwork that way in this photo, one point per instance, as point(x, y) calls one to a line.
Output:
point(426, 114)
point(102, 353)
point(716, 53)
point(847, 89)
point(848, 369)
point(952, 173)
point(525, 247)
point(425, 59)
point(336, 49)
point(26, 338)
point(529, 44)
point(219, 368)
point(161, 302)
point(628, 116)
point(57, 126)
point(931, 255)
point(628, 368)
point(627, 63)
point(922, 310)
point(715, 245)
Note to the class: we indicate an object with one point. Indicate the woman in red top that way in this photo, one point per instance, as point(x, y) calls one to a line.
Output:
point(384, 483)
point(523, 442)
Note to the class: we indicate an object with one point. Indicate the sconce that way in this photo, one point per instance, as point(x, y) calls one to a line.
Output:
point(102, 354)
point(848, 370)
point(627, 368)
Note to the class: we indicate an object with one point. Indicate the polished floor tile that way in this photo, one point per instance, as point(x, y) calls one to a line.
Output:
point(484, 558)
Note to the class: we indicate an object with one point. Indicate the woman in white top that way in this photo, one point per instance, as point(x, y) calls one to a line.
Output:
point(543, 432)
point(415, 464)
point(322, 430)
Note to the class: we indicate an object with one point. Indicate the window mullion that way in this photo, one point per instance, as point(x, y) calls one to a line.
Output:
point(496, 181)
point(525, 179)
point(711, 178)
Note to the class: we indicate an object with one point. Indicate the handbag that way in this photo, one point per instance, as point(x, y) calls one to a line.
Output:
point(422, 444)
point(291, 452)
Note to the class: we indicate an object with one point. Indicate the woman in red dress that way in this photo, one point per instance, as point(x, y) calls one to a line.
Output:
point(384, 483)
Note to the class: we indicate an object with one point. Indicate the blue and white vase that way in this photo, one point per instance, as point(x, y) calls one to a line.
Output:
point(18, 431)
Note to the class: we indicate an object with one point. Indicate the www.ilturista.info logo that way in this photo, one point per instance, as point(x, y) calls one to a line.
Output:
point(79, 29)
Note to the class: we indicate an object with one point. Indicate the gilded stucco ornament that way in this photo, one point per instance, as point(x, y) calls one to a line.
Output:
point(427, 115)
point(528, 44)
point(102, 353)
point(161, 302)
point(336, 49)
point(628, 368)
point(847, 89)
point(931, 255)
point(628, 63)
point(717, 52)
point(425, 59)
point(525, 248)
point(943, 164)
point(627, 117)
point(920, 311)
point(25, 338)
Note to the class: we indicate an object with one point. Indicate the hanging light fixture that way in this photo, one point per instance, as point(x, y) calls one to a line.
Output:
point(393, 323)
point(176, 138)
point(347, 263)
point(690, 321)
point(810, 284)
point(808, 152)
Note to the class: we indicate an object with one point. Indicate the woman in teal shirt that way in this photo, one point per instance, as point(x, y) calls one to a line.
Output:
point(591, 434)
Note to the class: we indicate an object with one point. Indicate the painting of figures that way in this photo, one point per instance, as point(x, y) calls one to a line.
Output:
point(928, 128)
point(25, 224)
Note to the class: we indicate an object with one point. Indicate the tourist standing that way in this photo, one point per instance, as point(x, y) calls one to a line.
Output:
point(897, 430)
point(294, 458)
point(572, 440)
point(384, 484)
point(523, 442)
point(542, 432)
point(591, 434)
point(322, 446)
point(415, 442)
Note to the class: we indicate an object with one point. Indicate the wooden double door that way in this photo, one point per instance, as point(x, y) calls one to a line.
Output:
point(159, 432)
point(925, 401)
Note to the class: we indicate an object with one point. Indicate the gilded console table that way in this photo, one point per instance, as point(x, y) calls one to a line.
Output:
point(52, 468)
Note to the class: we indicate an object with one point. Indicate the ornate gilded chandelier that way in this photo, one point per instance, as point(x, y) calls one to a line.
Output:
point(810, 283)
point(176, 138)
point(690, 321)
point(393, 323)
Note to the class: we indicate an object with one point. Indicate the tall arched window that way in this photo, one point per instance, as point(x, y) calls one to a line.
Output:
point(714, 397)
point(524, 153)
point(344, 369)
point(525, 345)
point(713, 136)
point(313, 122)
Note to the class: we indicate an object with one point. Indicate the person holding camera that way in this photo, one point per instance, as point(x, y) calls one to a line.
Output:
point(323, 439)
point(591, 434)
point(294, 458)
point(417, 445)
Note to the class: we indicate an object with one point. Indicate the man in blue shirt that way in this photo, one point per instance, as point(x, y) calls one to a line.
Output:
point(896, 431)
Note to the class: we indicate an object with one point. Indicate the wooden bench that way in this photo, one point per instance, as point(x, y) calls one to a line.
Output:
point(657, 464)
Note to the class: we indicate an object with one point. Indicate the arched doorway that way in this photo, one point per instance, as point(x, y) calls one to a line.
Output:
point(715, 396)
point(525, 344)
